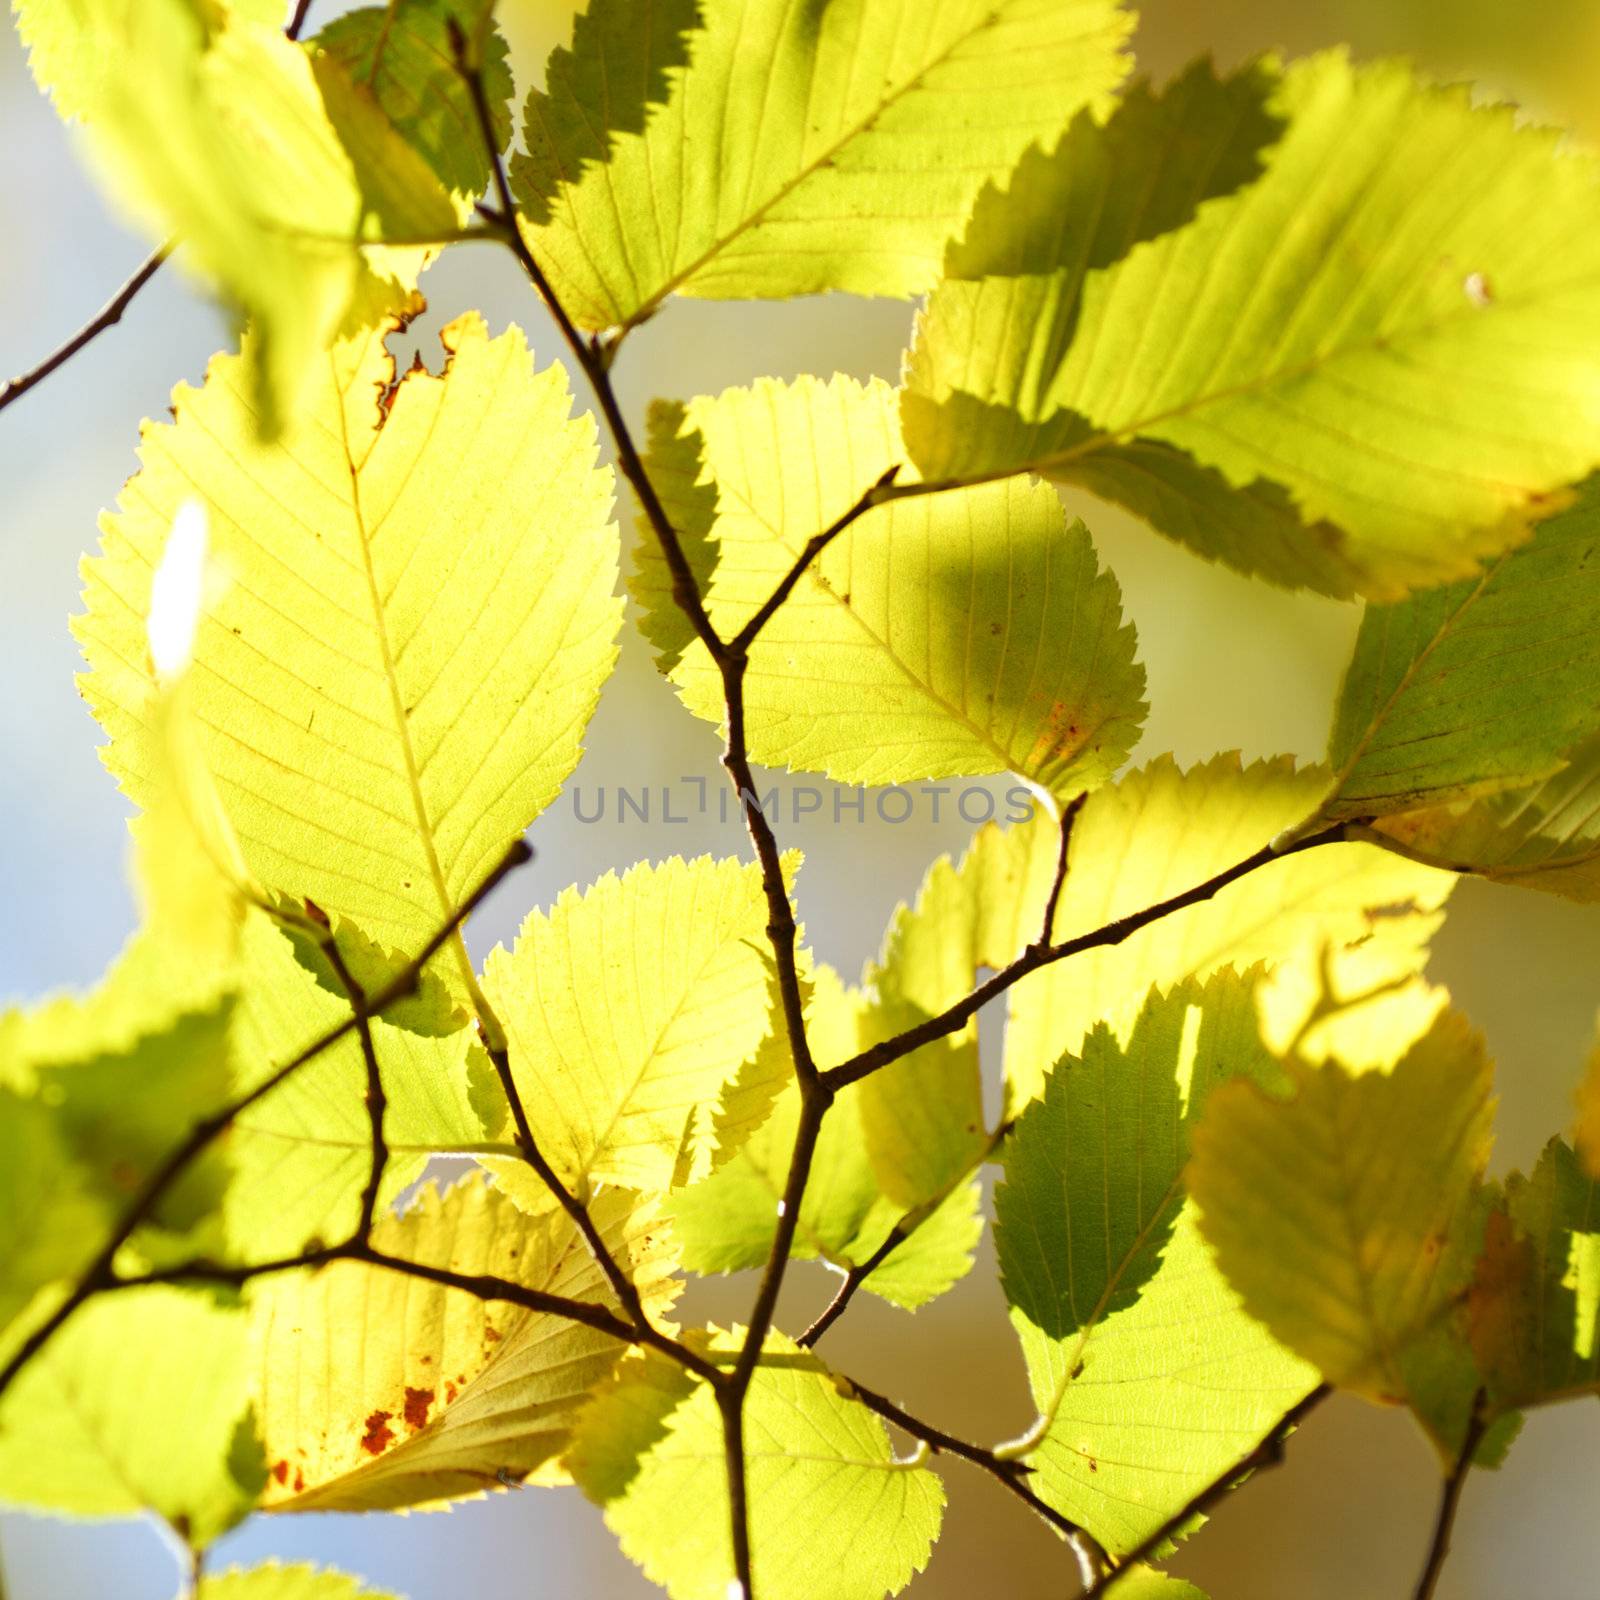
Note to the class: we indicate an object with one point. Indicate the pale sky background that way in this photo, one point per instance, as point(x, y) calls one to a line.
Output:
point(1232, 665)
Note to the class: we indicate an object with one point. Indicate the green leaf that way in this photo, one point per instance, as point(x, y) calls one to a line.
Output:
point(941, 636)
point(1359, 373)
point(1543, 835)
point(1534, 1309)
point(1476, 686)
point(630, 1009)
point(1145, 1583)
point(1157, 832)
point(419, 619)
point(272, 169)
point(140, 1402)
point(1149, 1379)
point(768, 152)
point(727, 1221)
point(403, 54)
point(108, 1085)
point(1346, 1216)
point(377, 1390)
point(55, 1211)
point(829, 1502)
point(276, 1582)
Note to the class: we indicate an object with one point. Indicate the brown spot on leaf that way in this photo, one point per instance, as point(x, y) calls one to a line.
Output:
point(491, 1333)
point(280, 1471)
point(417, 1403)
point(450, 1391)
point(299, 1481)
point(379, 1435)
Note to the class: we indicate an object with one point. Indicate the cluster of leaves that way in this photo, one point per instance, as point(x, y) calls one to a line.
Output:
point(1327, 323)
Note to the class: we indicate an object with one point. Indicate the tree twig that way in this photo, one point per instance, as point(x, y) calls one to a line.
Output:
point(112, 311)
point(1450, 1499)
point(1068, 821)
point(1036, 957)
point(1269, 1453)
point(1013, 1474)
point(595, 357)
point(101, 1273)
point(902, 1230)
point(747, 635)
point(375, 1099)
point(108, 316)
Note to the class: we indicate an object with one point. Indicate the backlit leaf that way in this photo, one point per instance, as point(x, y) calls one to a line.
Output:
point(420, 617)
point(443, 1394)
point(1478, 686)
point(1359, 373)
point(1340, 1213)
point(830, 1505)
point(1149, 1378)
point(140, 1402)
point(630, 1010)
point(769, 152)
point(963, 633)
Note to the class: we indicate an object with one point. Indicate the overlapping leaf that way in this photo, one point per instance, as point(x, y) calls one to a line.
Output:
point(419, 619)
point(403, 53)
point(443, 1394)
point(831, 1508)
point(97, 1092)
point(967, 632)
point(731, 149)
point(1477, 686)
point(140, 1402)
point(1149, 1378)
point(727, 1221)
point(1347, 1216)
point(301, 1155)
point(630, 1010)
point(271, 167)
point(1543, 835)
point(1534, 1308)
point(1160, 831)
point(1360, 372)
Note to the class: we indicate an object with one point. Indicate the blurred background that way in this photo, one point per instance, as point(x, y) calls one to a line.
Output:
point(1232, 665)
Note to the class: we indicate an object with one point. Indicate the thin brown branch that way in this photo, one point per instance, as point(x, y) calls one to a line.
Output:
point(528, 1148)
point(108, 316)
point(595, 357)
point(592, 356)
point(1269, 1453)
point(747, 635)
point(902, 1230)
point(111, 313)
point(375, 1099)
point(1064, 826)
point(1450, 1499)
point(1012, 1474)
point(482, 1286)
point(101, 1273)
point(1036, 957)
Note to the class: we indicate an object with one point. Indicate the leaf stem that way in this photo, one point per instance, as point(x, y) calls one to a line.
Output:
point(1450, 1499)
point(112, 311)
point(874, 496)
point(1012, 1474)
point(1269, 1453)
point(1038, 956)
